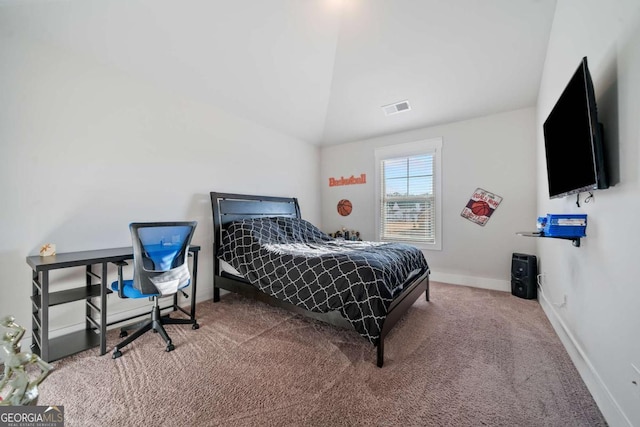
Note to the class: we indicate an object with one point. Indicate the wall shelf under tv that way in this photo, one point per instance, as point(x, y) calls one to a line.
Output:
point(575, 240)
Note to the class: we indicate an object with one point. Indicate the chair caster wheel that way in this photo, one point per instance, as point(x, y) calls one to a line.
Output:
point(116, 354)
point(170, 347)
point(123, 334)
point(195, 326)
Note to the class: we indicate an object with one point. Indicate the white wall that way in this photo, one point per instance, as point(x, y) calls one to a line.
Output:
point(86, 149)
point(496, 153)
point(600, 323)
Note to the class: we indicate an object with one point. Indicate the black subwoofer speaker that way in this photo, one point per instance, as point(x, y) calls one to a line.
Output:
point(524, 271)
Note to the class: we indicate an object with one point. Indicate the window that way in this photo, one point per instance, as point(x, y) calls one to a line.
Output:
point(409, 193)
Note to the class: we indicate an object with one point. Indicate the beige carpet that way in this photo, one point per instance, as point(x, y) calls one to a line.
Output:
point(470, 357)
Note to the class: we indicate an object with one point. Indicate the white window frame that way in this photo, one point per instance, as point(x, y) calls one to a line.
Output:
point(427, 146)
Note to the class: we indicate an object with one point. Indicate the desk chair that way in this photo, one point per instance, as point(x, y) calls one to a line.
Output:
point(160, 269)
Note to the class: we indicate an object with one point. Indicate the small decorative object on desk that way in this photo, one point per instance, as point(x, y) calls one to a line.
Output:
point(48, 249)
point(21, 385)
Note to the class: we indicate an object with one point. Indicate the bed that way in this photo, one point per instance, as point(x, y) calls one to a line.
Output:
point(263, 249)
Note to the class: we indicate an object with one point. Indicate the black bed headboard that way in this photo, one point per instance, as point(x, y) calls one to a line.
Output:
point(228, 207)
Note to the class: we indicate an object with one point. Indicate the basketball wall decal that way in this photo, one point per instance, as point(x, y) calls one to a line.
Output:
point(344, 207)
point(480, 208)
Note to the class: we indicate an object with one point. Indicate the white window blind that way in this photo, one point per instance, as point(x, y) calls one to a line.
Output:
point(407, 208)
point(409, 193)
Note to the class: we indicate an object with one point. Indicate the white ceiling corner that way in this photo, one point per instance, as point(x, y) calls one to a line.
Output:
point(317, 70)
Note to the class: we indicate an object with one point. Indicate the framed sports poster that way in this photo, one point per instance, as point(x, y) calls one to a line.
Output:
point(481, 206)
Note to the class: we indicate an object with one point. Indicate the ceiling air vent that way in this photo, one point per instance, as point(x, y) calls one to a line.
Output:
point(396, 108)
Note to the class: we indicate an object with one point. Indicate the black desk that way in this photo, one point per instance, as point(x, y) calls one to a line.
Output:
point(96, 287)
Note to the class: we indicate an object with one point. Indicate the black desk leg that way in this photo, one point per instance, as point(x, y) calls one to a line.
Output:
point(103, 309)
point(194, 287)
point(36, 315)
point(44, 317)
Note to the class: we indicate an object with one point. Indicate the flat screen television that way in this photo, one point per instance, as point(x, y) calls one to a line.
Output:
point(573, 139)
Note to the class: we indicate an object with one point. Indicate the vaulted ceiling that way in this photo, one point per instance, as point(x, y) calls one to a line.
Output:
point(318, 70)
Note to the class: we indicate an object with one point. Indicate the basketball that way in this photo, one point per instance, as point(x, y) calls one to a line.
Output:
point(480, 208)
point(344, 207)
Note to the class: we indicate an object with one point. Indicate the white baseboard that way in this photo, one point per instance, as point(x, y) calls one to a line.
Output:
point(609, 407)
point(475, 282)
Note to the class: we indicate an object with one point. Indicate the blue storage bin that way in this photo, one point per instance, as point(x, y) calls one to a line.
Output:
point(565, 225)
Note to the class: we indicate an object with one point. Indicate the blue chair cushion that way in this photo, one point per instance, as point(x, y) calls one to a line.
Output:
point(131, 292)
